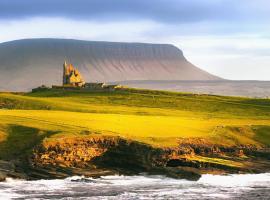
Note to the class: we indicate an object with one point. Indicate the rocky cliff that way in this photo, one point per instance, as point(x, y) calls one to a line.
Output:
point(104, 155)
point(26, 64)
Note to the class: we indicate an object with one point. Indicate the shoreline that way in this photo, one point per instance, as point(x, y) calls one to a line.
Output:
point(98, 156)
point(58, 133)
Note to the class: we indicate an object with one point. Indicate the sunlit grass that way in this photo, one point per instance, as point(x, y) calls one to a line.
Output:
point(219, 161)
point(131, 126)
point(153, 117)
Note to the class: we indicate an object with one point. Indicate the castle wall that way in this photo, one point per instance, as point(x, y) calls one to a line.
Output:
point(72, 76)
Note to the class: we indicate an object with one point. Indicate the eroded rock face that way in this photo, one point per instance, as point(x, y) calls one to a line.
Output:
point(131, 157)
point(70, 152)
point(8, 169)
point(100, 155)
point(97, 151)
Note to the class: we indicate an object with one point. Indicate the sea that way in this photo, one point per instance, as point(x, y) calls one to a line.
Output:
point(235, 186)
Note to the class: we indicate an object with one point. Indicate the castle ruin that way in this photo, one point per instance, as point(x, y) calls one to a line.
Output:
point(72, 76)
point(73, 80)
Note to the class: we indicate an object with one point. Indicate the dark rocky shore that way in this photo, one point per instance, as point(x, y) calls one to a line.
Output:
point(98, 156)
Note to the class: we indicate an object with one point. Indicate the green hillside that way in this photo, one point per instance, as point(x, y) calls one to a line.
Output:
point(154, 118)
point(150, 116)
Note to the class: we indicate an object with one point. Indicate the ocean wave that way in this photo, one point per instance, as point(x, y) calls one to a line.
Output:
point(235, 180)
point(139, 187)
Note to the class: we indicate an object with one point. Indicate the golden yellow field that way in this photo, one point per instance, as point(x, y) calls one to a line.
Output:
point(142, 128)
point(160, 120)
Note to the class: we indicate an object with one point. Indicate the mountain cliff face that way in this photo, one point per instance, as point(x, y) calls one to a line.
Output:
point(25, 64)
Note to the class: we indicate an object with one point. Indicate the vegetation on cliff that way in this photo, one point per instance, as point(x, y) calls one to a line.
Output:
point(95, 130)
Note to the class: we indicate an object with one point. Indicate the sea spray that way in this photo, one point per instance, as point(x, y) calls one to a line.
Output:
point(233, 186)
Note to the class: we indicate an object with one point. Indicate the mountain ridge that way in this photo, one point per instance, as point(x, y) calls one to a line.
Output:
point(29, 63)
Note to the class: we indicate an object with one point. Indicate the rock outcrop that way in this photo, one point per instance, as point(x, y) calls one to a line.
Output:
point(117, 155)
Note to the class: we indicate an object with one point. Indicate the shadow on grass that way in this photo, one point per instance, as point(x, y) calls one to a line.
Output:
point(262, 134)
point(20, 141)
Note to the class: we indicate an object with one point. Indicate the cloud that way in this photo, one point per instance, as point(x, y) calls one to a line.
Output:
point(229, 38)
point(164, 11)
point(238, 57)
point(65, 28)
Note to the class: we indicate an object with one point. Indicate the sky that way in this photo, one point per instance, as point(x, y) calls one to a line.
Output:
point(229, 38)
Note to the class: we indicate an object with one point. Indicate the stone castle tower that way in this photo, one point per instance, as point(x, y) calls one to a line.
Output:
point(72, 76)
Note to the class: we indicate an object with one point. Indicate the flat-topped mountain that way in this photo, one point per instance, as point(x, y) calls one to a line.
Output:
point(28, 63)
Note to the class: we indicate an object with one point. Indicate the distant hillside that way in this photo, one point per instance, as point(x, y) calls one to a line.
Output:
point(25, 64)
point(246, 88)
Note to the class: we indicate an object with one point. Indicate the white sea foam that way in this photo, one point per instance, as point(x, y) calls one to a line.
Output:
point(12, 180)
point(239, 180)
point(140, 180)
point(139, 187)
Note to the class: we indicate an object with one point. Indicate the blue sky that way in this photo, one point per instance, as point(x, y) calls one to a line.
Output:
point(230, 38)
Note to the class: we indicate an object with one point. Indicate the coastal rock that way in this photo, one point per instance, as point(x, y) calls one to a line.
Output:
point(122, 156)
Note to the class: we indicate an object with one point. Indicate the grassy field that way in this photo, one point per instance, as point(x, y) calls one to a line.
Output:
point(154, 117)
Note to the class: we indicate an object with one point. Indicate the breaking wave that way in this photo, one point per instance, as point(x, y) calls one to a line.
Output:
point(240, 186)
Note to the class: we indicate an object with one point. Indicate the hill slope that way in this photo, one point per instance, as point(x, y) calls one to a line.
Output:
point(29, 63)
point(218, 87)
point(63, 133)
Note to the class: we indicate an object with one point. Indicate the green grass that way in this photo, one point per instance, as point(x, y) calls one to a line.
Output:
point(262, 134)
point(154, 117)
point(142, 101)
point(20, 141)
